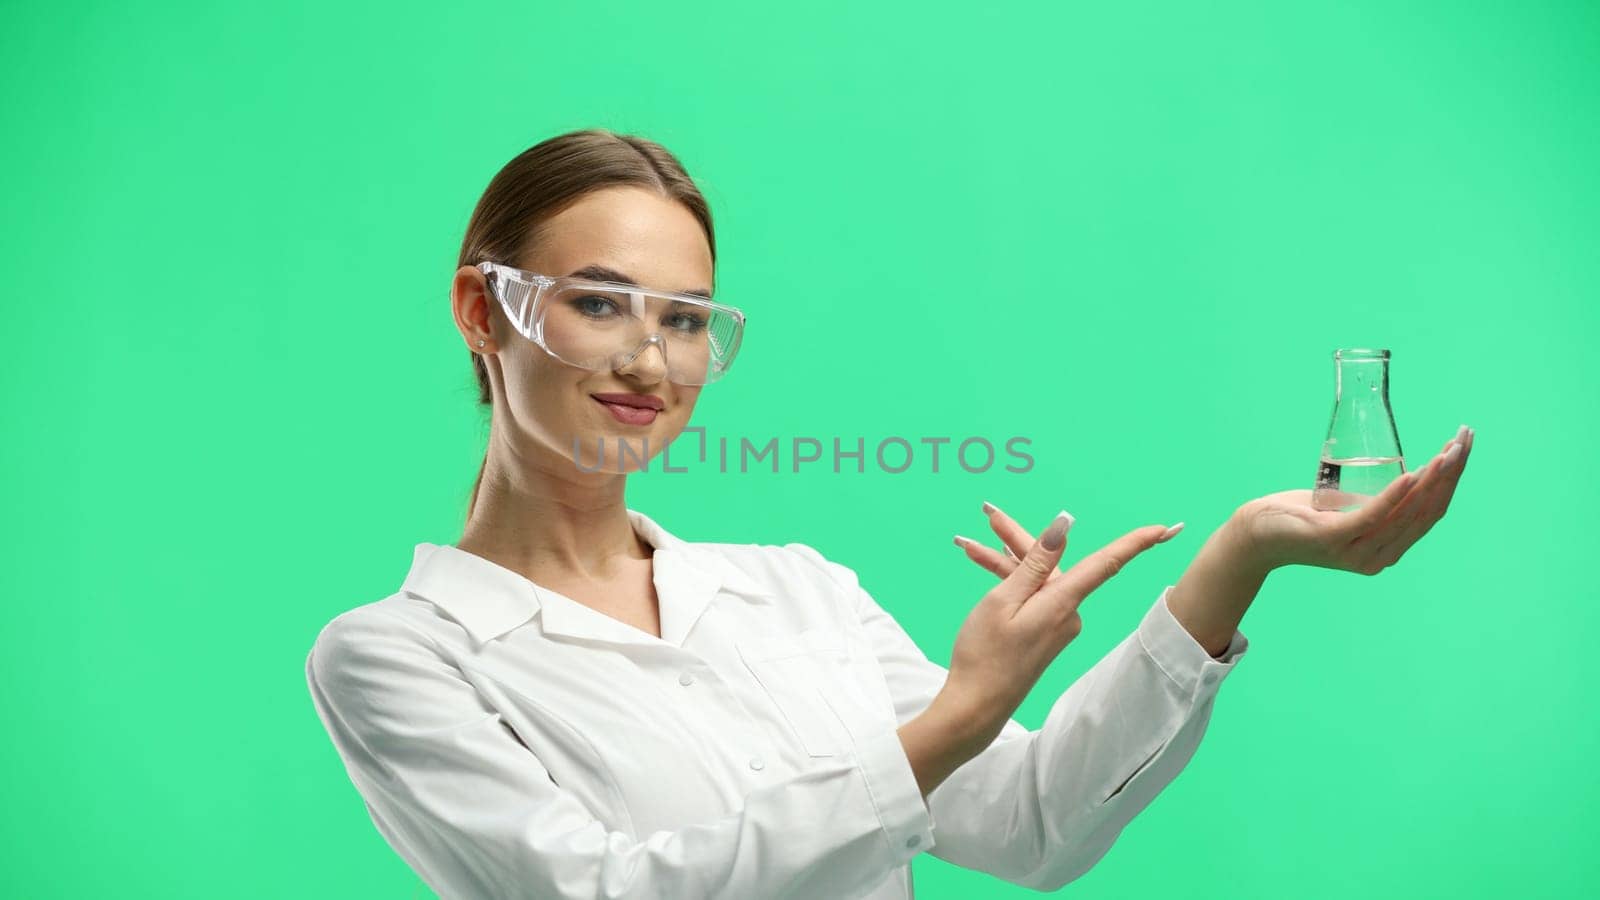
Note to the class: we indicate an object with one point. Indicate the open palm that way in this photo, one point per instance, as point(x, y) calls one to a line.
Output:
point(1285, 529)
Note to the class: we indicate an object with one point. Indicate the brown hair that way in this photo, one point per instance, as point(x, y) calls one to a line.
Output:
point(509, 220)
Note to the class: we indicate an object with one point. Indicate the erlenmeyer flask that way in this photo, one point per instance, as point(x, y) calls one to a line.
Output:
point(1362, 451)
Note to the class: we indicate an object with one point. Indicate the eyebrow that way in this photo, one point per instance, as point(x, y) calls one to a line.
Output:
point(601, 273)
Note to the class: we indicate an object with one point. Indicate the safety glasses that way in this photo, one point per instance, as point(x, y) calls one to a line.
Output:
point(604, 325)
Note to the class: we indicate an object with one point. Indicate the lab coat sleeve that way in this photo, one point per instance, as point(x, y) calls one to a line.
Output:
point(1040, 808)
point(476, 814)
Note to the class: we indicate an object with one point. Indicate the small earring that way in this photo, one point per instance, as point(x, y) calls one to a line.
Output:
point(480, 342)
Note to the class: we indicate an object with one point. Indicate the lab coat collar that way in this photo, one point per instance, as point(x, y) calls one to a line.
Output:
point(490, 600)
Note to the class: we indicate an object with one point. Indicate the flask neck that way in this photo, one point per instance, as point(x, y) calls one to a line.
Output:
point(1362, 381)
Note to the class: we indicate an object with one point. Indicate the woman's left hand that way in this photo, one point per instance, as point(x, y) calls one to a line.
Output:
point(1285, 529)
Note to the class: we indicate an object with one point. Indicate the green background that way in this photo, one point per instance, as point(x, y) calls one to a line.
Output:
point(1134, 233)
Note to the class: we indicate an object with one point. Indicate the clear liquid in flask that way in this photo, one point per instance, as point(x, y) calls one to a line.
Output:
point(1344, 484)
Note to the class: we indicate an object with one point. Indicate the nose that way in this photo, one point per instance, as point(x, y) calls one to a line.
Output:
point(648, 362)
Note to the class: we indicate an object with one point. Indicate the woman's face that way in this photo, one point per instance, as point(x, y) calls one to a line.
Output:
point(551, 410)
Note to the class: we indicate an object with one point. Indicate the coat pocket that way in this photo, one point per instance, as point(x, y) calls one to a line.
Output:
point(795, 671)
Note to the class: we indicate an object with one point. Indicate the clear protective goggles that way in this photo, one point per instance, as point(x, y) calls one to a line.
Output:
point(604, 325)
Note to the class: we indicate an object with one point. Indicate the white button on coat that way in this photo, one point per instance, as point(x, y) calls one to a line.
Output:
point(509, 741)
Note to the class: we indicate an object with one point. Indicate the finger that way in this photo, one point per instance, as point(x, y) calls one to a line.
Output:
point(1015, 539)
point(1038, 563)
point(1098, 567)
point(1438, 480)
point(986, 557)
point(1433, 481)
point(1456, 438)
point(1449, 473)
point(1365, 546)
point(1387, 548)
point(1451, 466)
point(1448, 479)
point(1428, 510)
point(1463, 438)
point(1454, 476)
point(1371, 515)
point(1395, 546)
point(992, 560)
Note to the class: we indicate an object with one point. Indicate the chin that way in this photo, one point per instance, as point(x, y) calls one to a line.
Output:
point(622, 451)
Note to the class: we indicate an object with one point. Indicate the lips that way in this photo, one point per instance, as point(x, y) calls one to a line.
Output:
point(638, 401)
point(631, 409)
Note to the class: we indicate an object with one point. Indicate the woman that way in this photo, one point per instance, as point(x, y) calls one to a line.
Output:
point(571, 701)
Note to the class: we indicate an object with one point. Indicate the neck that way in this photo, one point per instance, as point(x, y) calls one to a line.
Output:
point(538, 513)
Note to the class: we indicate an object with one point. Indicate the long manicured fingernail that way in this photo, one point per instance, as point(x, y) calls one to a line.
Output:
point(989, 509)
point(962, 542)
point(1461, 433)
point(1451, 454)
point(1055, 537)
point(1169, 533)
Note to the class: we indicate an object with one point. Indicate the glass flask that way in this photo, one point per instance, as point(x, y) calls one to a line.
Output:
point(1361, 453)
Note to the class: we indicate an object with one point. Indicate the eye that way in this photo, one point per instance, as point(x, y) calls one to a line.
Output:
point(594, 306)
point(687, 322)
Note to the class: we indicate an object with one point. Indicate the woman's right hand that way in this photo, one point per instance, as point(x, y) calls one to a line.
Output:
point(1025, 621)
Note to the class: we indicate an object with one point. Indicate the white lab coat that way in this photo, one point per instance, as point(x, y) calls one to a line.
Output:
point(509, 741)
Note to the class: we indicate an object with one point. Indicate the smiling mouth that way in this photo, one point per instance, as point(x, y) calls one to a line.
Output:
point(629, 413)
point(638, 401)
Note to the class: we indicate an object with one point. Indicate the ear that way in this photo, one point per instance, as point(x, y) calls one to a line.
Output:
point(470, 304)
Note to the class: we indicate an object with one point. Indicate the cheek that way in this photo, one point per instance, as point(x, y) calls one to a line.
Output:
point(544, 397)
point(686, 399)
